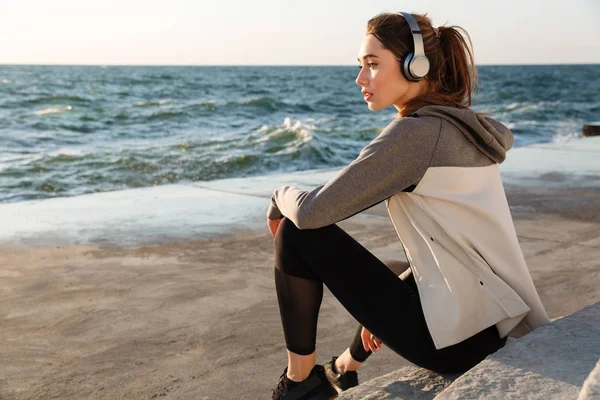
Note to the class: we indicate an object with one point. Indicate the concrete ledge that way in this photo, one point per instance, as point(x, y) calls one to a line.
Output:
point(550, 363)
point(405, 383)
point(591, 386)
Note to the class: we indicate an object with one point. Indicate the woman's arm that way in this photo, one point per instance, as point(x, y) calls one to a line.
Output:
point(397, 158)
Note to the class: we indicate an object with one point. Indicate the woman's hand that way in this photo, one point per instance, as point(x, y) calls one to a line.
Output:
point(273, 225)
point(369, 341)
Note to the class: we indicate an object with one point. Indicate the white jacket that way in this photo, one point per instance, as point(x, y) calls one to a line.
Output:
point(437, 171)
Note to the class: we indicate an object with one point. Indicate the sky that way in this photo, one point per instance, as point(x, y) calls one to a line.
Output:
point(282, 32)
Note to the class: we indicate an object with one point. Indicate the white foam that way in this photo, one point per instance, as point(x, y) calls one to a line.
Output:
point(302, 130)
point(66, 151)
point(567, 130)
point(298, 126)
point(148, 103)
point(520, 107)
point(319, 120)
point(12, 160)
point(560, 138)
point(53, 110)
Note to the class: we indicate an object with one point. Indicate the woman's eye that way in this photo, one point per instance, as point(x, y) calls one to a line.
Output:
point(369, 64)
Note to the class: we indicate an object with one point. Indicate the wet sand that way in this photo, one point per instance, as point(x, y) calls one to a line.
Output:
point(199, 319)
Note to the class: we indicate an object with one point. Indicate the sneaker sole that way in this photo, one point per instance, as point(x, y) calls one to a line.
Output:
point(306, 386)
point(338, 389)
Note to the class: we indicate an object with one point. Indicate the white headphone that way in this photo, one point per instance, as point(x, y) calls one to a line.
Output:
point(414, 64)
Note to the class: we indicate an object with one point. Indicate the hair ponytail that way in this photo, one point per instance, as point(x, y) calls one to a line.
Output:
point(457, 74)
point(452, 73)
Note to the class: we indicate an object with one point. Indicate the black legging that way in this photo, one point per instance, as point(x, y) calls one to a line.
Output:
point(374, 295)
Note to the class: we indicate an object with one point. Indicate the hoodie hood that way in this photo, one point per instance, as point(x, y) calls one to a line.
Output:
point(491, 137)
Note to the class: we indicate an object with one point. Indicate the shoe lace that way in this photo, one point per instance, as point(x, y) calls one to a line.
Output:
point(333, 369)
point(281, 384)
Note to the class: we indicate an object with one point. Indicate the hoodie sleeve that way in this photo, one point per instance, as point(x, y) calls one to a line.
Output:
point(397, 158)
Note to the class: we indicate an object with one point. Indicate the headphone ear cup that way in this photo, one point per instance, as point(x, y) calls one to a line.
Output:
point(404, 63)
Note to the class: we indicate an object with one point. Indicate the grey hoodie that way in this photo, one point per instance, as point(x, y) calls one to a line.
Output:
point(395, 161)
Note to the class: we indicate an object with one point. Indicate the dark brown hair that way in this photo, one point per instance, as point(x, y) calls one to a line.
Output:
point(452, 73)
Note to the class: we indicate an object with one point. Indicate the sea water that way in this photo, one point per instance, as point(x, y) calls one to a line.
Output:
point(71, 130)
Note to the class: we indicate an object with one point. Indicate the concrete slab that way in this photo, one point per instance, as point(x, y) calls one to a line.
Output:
point(562, 233)
point(264, 185)
point(550, 363)
point(128, 217)
point(407, 383)
point(566, 278)
point(595, 242)
point(562, 164)
point(533, 246)
point(591, 387)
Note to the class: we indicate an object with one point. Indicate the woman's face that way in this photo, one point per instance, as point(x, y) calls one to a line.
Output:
point(380, 77)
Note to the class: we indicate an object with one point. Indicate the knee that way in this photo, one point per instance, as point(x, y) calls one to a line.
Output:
point(286, 230)
point(286, 242)
point(288, 233)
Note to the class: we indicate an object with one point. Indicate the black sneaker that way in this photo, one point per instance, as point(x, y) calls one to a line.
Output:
point(315, 387)
point(340, 382)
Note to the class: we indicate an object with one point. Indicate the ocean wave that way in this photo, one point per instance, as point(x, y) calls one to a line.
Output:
point(162, 115)
point(53, 110)
point(150, 103)
point(566, 131)
point(131, 162)
point(83, 128)
point(57, 99)
point(164, 76)
point(49, 187)
point(20, 196)
point(265, 103)
point(270, 104)
point(287, 133)
point(61, 158)
point(565, 137)
point(87, 118)
point(515, 125)
point(256, 162)
point(521, 107)
point(332, 102)
point(209, 105)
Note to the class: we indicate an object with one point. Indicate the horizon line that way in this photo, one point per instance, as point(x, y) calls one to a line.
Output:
point(258, 65)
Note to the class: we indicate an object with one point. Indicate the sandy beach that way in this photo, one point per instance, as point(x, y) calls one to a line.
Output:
point(199, 319)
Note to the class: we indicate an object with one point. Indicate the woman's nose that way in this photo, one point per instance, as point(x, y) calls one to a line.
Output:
point(361, 79)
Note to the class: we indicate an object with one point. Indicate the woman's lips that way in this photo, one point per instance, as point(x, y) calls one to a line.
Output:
point(367, 95)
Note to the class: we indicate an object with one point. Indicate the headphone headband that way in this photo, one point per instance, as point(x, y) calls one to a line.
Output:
point(416, 34)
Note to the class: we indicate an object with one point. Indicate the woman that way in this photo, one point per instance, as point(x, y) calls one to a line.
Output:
point(436, 167)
